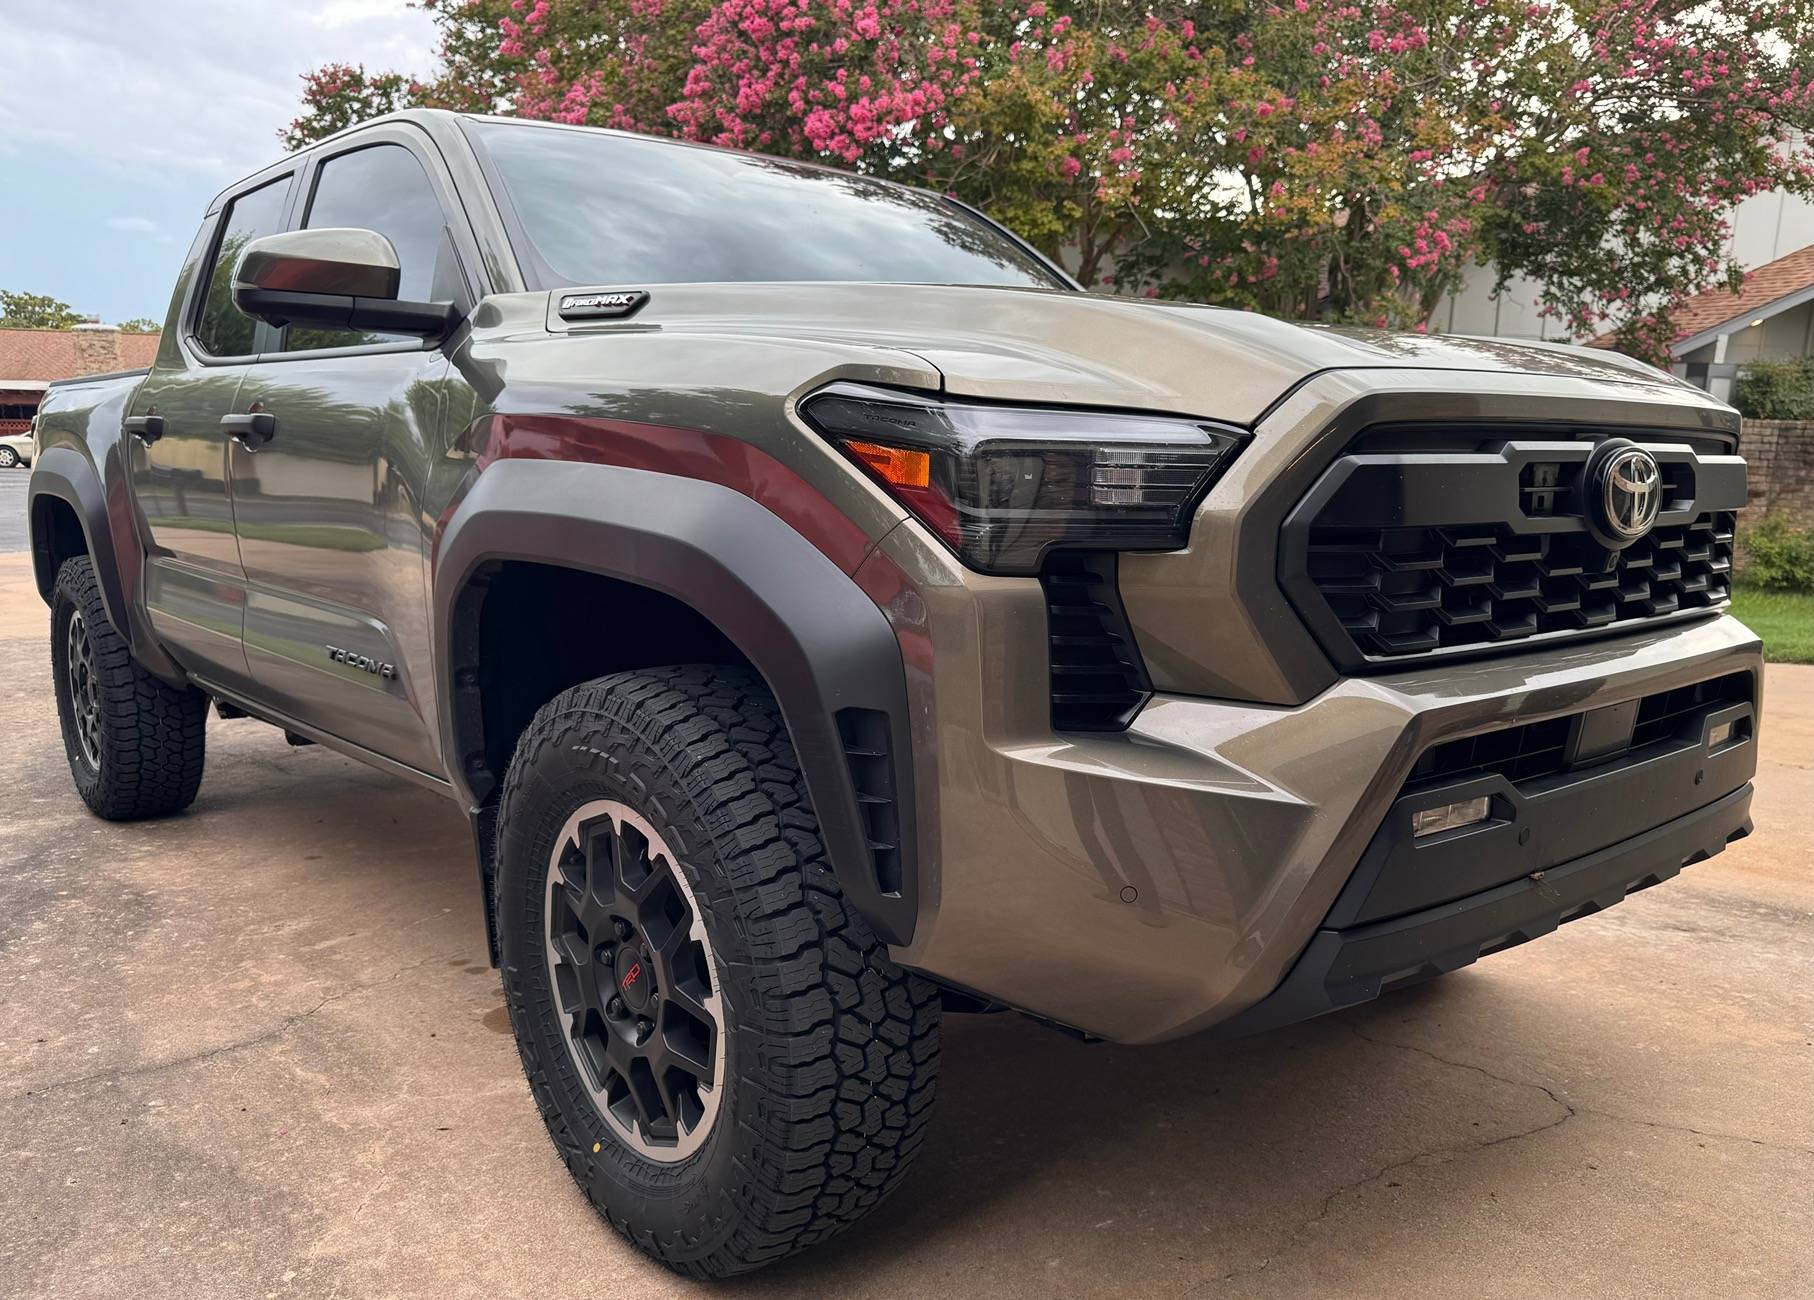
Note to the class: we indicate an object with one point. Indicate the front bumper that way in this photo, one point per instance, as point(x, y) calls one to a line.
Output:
point(1342, 967)
point(1153, 883)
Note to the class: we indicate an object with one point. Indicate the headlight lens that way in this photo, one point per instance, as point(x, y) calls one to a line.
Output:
point(1002, 485)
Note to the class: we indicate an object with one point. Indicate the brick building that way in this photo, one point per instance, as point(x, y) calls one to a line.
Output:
point(30, 359)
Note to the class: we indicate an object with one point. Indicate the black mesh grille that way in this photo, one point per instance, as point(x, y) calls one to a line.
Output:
point(1516, 753)
point(1665, 716)
point(1098, 682)
point(1426, 550)
point(1538, 749)
point(1400, 591)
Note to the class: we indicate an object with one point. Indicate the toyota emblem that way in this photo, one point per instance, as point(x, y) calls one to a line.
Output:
point(1630, 493)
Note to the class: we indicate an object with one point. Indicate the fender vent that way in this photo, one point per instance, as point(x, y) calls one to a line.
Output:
point(1098, 681)
point(864, 733)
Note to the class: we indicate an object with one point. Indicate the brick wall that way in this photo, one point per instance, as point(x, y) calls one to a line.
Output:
point(97, 349)
point(1779, 456)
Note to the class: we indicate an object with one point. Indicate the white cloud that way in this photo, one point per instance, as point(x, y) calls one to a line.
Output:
point(197, 86)
point(346, 13)
point(139, 226)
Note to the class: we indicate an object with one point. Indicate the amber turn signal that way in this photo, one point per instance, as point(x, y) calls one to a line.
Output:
point(899, 466)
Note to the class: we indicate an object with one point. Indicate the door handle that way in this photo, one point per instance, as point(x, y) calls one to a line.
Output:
point(253, 429)
point(146, 428)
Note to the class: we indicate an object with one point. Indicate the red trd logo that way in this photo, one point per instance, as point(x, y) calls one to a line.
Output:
point(633, 974)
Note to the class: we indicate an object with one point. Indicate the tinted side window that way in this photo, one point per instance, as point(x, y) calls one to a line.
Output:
point(383, 188)
point(224, 330)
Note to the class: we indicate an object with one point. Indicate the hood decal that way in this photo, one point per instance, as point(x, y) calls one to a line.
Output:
point(613, 304)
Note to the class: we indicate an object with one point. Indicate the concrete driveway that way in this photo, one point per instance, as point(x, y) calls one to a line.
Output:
point(14, 534)
point(256, 1051)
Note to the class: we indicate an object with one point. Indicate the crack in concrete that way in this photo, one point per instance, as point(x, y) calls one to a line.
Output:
point(276, 1031)
point(1297, 1235)
point(1578, 1108)
point(1570, 1110)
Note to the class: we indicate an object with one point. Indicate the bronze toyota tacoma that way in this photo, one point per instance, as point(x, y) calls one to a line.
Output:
point(828, 615)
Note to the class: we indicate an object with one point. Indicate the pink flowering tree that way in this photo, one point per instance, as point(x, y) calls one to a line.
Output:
point(1066, 132)
point(338, 95)
point(1356, 158)
point(865, 83)
point(1321, 159)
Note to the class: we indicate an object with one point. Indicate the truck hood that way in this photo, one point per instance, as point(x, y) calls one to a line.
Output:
point(1092, 349)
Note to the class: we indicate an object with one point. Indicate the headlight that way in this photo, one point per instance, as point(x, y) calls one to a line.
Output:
point(1002, 485)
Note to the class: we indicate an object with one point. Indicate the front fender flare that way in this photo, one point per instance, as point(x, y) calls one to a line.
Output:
point(820, 643)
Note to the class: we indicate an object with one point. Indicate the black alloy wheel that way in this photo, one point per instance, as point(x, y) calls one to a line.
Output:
point(632, 971)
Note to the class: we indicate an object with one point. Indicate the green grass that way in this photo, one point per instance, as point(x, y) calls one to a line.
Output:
point(1784, 619)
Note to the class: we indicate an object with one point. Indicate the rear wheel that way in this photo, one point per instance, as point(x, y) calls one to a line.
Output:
point(8, 458)
point(723, 1053)
point(135, 744)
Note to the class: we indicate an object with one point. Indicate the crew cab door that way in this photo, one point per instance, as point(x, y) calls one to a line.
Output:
point(194, 584)
point(328, 497)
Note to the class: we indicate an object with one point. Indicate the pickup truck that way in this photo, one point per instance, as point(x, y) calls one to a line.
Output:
point(829, 616)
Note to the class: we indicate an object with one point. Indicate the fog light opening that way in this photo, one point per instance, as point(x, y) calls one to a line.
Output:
point(1725, 733)
point(1450, 816)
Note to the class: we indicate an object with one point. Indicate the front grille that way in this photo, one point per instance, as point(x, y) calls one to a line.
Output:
point(1533, 750)
point(1402, 554)
point(1098, 681)
point(1520, 753)
point(1666, 716)
point(1400, 591)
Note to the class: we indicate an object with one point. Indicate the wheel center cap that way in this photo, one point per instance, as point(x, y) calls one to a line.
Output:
point(635, 976)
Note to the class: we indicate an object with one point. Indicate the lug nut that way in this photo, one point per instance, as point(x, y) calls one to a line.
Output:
point(622, 928)
point(615, 1007)
point(643, 1029)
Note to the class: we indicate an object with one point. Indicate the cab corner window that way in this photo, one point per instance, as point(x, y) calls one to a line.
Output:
point(222, 329)
point(382, 187)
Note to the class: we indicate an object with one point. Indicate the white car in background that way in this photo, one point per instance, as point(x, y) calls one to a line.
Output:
point(16, 449)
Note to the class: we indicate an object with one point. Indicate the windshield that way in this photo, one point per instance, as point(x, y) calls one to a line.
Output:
point(613, 210)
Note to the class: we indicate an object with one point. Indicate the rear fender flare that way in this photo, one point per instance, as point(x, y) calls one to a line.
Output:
point(63, 473)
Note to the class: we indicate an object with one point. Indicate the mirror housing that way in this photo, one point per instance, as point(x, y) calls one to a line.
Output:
point(335, 278)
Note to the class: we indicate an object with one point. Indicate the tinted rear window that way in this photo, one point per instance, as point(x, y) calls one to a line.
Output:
point(608, 209)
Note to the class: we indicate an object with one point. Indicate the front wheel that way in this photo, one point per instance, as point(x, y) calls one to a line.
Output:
point(8, 458)
point(723, 1053)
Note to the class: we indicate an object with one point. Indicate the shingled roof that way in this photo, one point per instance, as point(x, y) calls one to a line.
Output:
point(1767, 284)
point(38, 356)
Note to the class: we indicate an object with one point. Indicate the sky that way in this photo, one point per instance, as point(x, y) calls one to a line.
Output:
point(120, 119)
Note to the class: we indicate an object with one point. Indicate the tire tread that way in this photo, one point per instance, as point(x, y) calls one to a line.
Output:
point(846, 1040)
point(154, 735)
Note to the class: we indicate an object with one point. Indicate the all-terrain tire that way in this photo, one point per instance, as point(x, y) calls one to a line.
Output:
point(148, 738)
point(832, 1049)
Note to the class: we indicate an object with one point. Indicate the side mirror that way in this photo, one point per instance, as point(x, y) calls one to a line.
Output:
point(340, 279)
